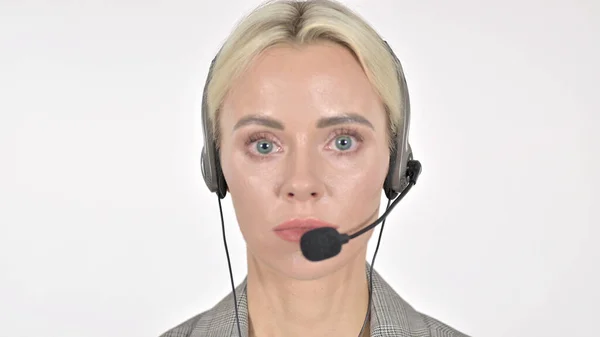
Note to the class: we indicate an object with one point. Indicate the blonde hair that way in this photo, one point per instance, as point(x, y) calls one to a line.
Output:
point(299, 23)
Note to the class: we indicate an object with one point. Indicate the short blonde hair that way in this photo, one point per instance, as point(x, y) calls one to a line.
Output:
point(298, 23)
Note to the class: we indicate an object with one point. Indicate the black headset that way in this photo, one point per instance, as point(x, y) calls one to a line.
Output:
point(402, 166)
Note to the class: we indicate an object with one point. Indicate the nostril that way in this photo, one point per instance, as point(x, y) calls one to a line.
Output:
point(293, 195)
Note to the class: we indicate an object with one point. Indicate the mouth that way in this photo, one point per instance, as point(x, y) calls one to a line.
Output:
point(292, 230)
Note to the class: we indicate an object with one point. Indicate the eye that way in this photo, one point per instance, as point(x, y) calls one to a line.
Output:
point(343, 143)
point(264, 146)
point(261, 145)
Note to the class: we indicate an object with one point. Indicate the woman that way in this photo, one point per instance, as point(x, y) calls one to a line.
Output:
point(306, 121)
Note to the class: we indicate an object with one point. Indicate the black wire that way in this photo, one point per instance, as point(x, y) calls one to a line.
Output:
point(371, 272)
point(237, 319)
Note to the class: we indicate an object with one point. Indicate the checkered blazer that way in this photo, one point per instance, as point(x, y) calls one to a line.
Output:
point(391, 316)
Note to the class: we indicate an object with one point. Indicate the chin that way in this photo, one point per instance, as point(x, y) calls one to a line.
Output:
point(294, 265)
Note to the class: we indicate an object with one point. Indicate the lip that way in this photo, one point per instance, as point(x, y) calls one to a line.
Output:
point(292, 230)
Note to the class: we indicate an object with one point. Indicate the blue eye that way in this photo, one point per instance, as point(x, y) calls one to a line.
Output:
point(343, 143)
point(264, 146)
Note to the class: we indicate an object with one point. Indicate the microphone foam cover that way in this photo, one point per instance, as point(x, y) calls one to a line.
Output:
point(321, 243)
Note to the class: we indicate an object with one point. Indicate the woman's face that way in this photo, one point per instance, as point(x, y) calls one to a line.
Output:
point(303, 136)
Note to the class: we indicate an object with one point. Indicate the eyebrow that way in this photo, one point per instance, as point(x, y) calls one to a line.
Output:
point(259, 120)
point(346, 118)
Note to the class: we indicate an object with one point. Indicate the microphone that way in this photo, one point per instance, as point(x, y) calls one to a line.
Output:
point(326, 242)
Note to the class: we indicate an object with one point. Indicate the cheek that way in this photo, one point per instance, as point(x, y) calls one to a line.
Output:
point(245, 176)
point(251, 185)
point(252, 189)
point(355, 192)
point(358, 194)
point(361, 177)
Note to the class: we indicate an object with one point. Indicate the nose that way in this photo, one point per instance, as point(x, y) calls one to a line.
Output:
point(302, 181)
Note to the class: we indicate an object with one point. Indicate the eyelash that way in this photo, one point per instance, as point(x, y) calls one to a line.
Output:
point(345, 131)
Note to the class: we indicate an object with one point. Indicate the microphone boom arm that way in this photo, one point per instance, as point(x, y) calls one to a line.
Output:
point(413, 171)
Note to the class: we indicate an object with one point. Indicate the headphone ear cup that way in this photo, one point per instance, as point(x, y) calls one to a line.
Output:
point(207, 171)
point(397, 179)
point(392, 182)
point(212, 173)
point(387, 185)
point(220, 178)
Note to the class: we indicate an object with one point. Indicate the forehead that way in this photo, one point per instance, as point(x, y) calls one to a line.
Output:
point(299, 84)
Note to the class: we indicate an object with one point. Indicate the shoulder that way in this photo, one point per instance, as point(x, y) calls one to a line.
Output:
point(439, 329)
point(186, 328)
point(395, 316)
point(215, 322)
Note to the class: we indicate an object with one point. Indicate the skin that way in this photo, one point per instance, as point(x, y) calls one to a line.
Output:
point(296, 168)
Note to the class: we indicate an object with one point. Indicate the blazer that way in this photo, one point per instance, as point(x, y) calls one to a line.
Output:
point(391, 316)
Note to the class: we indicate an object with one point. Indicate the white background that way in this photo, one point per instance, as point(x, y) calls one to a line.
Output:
point(107, 228)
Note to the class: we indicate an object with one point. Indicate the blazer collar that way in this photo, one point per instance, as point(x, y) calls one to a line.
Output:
point(391, 316)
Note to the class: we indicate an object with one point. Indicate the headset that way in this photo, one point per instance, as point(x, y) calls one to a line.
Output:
point(323, 243)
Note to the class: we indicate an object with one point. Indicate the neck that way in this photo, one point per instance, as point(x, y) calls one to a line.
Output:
point(333, 305)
